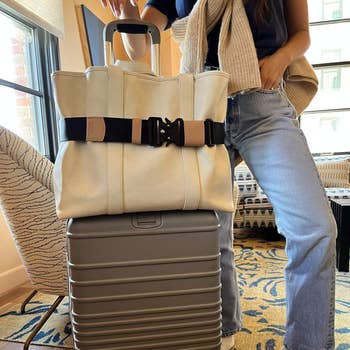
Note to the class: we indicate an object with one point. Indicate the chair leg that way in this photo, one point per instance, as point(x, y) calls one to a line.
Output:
point(27, 300)
point(42, 321)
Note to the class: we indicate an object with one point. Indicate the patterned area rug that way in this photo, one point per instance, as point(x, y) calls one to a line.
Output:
point(56, 332)
point(260, 274)
point(259, 267)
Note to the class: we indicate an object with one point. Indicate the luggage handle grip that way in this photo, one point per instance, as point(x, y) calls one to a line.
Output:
point(132, 26)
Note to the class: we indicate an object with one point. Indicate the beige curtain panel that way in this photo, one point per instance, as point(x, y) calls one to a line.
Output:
point(48, 14)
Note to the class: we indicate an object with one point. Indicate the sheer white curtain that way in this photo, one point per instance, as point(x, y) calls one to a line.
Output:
point(47, 14)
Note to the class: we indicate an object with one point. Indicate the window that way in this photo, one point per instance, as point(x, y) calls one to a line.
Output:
point(327, 120)
point(28, 56)
point(330, 79)
point(331, 9)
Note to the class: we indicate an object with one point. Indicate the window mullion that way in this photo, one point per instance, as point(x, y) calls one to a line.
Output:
point(330, 21)
point(47, 43)
point(19, 87)
point(332, 64)
point(314, 111)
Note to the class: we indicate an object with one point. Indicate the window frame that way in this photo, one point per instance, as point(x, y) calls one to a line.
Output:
point(328, 2)
point(337, 73)
point(47, 61)
point(335, 64)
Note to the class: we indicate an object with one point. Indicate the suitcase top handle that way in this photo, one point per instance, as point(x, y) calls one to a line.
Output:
point(132, 26)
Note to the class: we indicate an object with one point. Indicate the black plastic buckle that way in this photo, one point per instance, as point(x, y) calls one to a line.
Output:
point(209, 132)
point(169, 132)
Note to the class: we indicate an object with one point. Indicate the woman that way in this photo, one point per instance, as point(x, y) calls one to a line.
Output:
point(261, 124)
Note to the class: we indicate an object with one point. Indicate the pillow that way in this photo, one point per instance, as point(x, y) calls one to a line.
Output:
point(242, 173)
point(247, 185)
point(334, 171)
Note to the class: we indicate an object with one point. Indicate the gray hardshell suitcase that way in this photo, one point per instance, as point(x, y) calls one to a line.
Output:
point(145, 281)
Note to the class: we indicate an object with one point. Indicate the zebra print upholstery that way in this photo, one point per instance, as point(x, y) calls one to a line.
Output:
point(28, 204)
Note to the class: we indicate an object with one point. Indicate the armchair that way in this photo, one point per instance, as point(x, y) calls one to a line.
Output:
point(28, 205)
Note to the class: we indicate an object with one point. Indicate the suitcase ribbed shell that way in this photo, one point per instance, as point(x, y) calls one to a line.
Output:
point(145, 281)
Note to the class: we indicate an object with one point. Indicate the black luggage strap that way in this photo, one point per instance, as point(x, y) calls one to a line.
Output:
point(152, 131)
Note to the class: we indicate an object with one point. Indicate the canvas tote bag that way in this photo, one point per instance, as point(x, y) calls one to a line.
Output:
point(94, 177)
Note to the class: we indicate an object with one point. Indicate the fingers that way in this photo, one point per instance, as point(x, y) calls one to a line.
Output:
point(269, 79)
point(103, 3)
point(272, 87)
point(117, 6)
point(270, 84)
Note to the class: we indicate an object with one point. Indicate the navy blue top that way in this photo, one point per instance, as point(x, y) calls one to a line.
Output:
point(268, 35)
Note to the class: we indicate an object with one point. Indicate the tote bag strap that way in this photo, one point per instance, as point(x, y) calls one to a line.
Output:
point(115, 153)
point(115, 93)
point(189, 154)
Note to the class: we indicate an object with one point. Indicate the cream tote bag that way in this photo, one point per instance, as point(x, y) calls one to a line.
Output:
point(120, 137)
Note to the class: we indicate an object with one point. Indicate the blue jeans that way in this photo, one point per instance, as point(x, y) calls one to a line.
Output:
point(262, 126)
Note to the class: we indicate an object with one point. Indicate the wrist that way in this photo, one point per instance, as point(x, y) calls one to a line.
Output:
point(285, 56)
point(130, 12)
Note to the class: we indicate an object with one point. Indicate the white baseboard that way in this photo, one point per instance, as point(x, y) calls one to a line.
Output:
point(12, 278)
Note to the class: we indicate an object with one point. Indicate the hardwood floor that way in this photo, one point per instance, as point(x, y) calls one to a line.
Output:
point(7, 302)
point(15, 296)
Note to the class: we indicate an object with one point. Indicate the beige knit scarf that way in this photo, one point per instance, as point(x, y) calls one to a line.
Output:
point(236, 51)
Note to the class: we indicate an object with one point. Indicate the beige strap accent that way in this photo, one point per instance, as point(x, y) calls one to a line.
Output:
point(194, 133)
point(136, 131)
point(95, 129)
point(186, 96)
point(115, 92)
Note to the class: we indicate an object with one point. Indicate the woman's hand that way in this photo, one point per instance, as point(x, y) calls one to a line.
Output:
point(136, 45)
point(118, 6)
point(272, 69)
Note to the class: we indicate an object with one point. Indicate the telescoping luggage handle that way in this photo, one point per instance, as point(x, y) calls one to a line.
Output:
point(132, 26)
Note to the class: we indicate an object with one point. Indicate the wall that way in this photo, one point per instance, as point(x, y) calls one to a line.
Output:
point(71, 53)
point(12, 272)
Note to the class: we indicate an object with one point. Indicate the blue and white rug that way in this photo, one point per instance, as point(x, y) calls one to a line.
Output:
point(260, 274)
point(56, 332)
point(259, 267)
